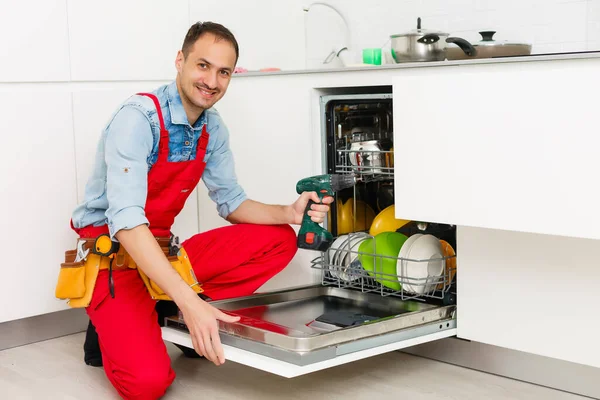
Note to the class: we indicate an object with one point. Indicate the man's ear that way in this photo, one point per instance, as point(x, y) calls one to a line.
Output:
point(179, 60)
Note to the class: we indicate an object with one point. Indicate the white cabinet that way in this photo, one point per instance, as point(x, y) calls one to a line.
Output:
point(35, 42)
point(508, 152)
point(37, 177)
point(259, 34)
point(126, 40)
point(509, 146)
point(533, 293)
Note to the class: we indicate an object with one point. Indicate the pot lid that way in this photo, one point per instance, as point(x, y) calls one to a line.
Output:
point(419, 31)
point(488, 40)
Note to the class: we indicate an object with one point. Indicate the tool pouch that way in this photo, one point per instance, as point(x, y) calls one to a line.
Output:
point(181, 264)
point(76, 279)
point(71, 277)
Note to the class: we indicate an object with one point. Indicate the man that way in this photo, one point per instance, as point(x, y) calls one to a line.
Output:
point(151, 155)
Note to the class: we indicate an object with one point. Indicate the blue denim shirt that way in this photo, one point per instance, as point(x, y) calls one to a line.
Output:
point(115, 193)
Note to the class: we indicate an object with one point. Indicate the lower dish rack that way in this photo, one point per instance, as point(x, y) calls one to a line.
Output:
point(359, 261)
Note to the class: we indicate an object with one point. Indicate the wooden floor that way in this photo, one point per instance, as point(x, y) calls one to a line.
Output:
point(54, 370)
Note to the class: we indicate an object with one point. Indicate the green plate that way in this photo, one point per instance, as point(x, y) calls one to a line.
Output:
point(381, 257)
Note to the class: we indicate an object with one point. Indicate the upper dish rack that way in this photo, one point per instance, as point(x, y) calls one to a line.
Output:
point(364, 159)
point(344, 265)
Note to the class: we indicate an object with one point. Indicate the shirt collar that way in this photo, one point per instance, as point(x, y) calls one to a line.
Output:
point(178, 115)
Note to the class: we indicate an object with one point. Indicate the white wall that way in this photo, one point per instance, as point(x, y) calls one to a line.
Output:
point(66, 65)
point(550, 25)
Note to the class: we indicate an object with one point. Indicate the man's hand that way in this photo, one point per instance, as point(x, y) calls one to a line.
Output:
point(317, 212)
point(200, 316)
point(201, 320)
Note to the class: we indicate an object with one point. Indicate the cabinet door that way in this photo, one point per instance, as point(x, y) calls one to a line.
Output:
point(33, 31)
point(532, 293)
point(144, 39)
point(37, 178)
point(511, 146)
point(273, 145)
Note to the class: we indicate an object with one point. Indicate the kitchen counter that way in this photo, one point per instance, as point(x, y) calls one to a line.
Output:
point(534, 57)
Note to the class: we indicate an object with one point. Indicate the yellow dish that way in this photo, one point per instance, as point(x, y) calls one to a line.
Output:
point(386, 221)
point(345, 217)
point(448, 251)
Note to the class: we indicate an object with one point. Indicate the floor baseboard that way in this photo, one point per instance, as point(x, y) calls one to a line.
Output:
point(544, 371)
point(42, 327)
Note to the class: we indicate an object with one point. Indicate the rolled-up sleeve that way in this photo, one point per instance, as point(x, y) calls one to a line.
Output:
point(129, 142)
point(219, 174)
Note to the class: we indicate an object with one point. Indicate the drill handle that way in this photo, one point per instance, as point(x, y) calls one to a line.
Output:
point(312, 235)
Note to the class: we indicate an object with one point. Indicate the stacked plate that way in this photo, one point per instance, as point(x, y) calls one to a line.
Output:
point(414, 264)
point(420, 264)
point(343, 257)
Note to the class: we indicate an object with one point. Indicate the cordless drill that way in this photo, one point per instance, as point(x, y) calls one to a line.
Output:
point(312, 236)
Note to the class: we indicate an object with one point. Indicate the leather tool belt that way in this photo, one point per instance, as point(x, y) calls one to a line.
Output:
point(80, 269)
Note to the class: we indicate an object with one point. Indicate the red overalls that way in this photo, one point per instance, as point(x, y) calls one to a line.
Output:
point(229, 262)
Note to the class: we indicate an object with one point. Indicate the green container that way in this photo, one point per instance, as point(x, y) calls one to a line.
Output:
point(372, 56)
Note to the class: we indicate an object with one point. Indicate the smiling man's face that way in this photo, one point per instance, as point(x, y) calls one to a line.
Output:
point(204, 75)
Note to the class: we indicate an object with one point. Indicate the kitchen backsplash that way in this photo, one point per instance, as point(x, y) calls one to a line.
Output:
point(550, 25)
point(85, 41)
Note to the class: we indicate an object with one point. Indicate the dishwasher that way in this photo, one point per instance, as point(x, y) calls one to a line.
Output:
point(385, 283)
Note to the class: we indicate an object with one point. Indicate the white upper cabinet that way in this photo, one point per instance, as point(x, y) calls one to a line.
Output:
point(35, 41)
point(510, 146)
point(126, 40)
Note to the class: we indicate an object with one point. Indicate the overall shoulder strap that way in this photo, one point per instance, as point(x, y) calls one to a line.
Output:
point(163, 147)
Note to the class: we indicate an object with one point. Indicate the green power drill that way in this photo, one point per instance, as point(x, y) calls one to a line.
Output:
point(312, 236)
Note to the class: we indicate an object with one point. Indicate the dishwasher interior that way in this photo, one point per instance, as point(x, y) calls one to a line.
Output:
point(373, 251)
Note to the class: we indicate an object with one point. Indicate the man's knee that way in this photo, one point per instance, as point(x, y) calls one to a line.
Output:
point(148, 383)
point(286, 236)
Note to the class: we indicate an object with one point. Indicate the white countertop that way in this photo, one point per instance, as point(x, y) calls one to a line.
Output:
point(534, 57)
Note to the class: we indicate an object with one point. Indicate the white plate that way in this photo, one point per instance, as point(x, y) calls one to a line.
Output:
point(332, 252)
point(344, 258)
point(423, 276)
point(352, 268)
point(404, 251)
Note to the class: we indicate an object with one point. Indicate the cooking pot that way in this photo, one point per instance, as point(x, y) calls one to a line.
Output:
point(488, 48)
point(425, 45)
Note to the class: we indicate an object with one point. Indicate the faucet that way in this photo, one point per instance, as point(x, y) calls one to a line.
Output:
point(340, 51)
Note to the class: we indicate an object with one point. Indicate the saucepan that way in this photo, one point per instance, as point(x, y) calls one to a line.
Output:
point(488, 48)
point(426, 45)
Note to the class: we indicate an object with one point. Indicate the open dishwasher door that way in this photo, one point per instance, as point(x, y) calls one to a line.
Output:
point(298, 331)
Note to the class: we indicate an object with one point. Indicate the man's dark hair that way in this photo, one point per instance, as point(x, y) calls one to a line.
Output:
point(201, 28)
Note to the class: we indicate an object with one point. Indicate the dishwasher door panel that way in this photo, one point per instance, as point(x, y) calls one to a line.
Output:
point(298, 331)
